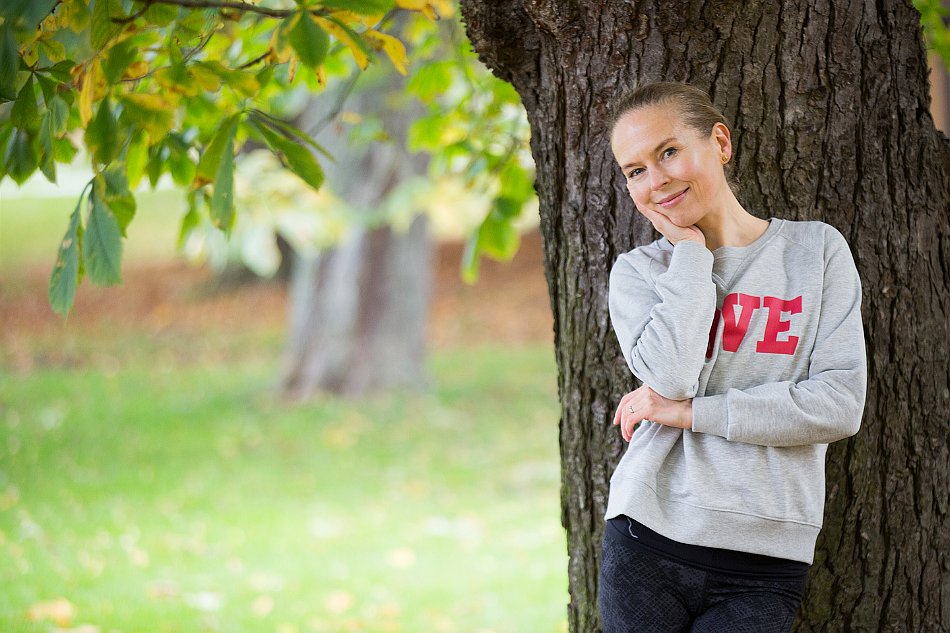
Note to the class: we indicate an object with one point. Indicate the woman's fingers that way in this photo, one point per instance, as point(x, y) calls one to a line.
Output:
point(673, 232)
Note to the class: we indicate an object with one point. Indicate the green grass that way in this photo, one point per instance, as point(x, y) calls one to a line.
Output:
point(32, 228)
point(186, 497)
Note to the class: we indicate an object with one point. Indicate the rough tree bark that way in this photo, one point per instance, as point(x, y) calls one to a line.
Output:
point(358, 311)
point(829, 105)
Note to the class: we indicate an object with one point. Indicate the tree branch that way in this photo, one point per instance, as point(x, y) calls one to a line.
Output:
point(227, 4)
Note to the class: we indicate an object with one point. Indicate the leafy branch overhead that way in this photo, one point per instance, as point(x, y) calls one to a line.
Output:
point(147, 88)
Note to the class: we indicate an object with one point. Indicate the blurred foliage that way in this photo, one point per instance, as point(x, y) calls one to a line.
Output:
point(149, 88)
point(935, 20)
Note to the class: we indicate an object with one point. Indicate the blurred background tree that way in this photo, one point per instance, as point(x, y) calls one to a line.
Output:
point(179, 87)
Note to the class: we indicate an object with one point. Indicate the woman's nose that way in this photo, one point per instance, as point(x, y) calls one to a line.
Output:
point(658, 178)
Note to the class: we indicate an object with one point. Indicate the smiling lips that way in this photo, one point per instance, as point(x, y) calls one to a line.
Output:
point(673, 199)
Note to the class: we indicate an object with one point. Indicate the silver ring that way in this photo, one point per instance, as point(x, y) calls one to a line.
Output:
point(630, 409)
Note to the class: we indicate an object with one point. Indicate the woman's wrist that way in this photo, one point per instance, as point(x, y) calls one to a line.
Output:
point(687, 414)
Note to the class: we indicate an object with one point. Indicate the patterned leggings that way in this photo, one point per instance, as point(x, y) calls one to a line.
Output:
point(643, 592)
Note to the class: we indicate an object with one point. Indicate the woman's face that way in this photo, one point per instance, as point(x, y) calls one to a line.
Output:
point(670, 167)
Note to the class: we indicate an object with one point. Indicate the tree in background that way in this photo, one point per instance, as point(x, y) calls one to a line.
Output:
point(829, 102)
point(178, 86)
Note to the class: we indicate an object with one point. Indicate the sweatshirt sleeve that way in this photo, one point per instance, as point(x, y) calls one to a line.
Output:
point(663, 326)
point(826, 407)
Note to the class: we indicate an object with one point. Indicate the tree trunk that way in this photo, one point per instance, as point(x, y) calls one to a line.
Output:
point(359, 311)
point(829, 105)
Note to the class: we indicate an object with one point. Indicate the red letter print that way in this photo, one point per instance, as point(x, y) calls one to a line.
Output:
point(774, 326)
point(733, 330)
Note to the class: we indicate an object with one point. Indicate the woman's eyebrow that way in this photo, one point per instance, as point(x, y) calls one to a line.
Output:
point(658, 147)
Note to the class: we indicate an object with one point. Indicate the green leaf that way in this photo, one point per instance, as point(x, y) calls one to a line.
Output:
point(309, 40)
point(152, 112)
point(66, 272)
point(25, 13)
point(9, 62)
point(191, 219)
point(156, 161)
point(470, 259)
point(516, 182)
point(161, 14)
point(117, 195)
point(47, 86)
point(78, 15)
point(431, 80)
point(243, 81)
point(497, 236)
point(102, 244)
point(293, 156)
point(102, 28)
point(117, 59)
point(291, 131)
point(54, 49)
point(506, 209)
point(61, 71)
point(222, 200)
point(63, 150)
point(6, 131)
point(25, 112)
point(102, 134)
point(211, 157)
point(47, 155)
point(58, 116)
point(181, 167)
point(21, 159)
point(136, 157)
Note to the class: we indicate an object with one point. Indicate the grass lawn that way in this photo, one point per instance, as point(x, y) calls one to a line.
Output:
point(32, 228)
point(166, 496)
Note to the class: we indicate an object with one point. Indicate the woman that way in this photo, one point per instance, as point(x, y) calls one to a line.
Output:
point(746, 335)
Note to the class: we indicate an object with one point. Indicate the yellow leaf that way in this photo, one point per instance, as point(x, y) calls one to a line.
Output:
point(322, 77)
point(50, 24)
point(205, 78)
point(280, 49)
point(159, 103)
point(31, 54)
point(136, 70)
point(334, 29)
point(393, 48)
point(350, 18)
point(292, 69)
point(61, 611)
point(432, 9)
point(87, 93)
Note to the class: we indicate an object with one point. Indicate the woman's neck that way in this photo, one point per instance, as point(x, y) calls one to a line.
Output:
point(733, 226)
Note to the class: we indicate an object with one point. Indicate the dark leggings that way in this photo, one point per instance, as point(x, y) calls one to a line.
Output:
point(643, 592)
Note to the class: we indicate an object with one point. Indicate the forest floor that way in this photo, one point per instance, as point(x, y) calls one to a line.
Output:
point(173, 299)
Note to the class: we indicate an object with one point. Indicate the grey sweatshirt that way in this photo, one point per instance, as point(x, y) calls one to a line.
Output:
point(768, 342)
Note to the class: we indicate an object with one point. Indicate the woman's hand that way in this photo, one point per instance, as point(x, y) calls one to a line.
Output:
point(646, 404)
point(671, 231)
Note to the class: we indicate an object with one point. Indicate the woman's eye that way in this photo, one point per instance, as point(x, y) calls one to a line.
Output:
point(669, 151)
point(634, 172)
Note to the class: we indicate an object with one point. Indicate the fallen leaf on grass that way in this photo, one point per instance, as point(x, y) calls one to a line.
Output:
point(262, 606)
point(402, 558)
point(339, 601)
point(61, 611)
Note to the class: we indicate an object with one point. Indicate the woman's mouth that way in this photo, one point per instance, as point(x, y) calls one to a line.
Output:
point(673, 200)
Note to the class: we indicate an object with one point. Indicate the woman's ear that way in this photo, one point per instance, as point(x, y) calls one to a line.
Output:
point(722, 137)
